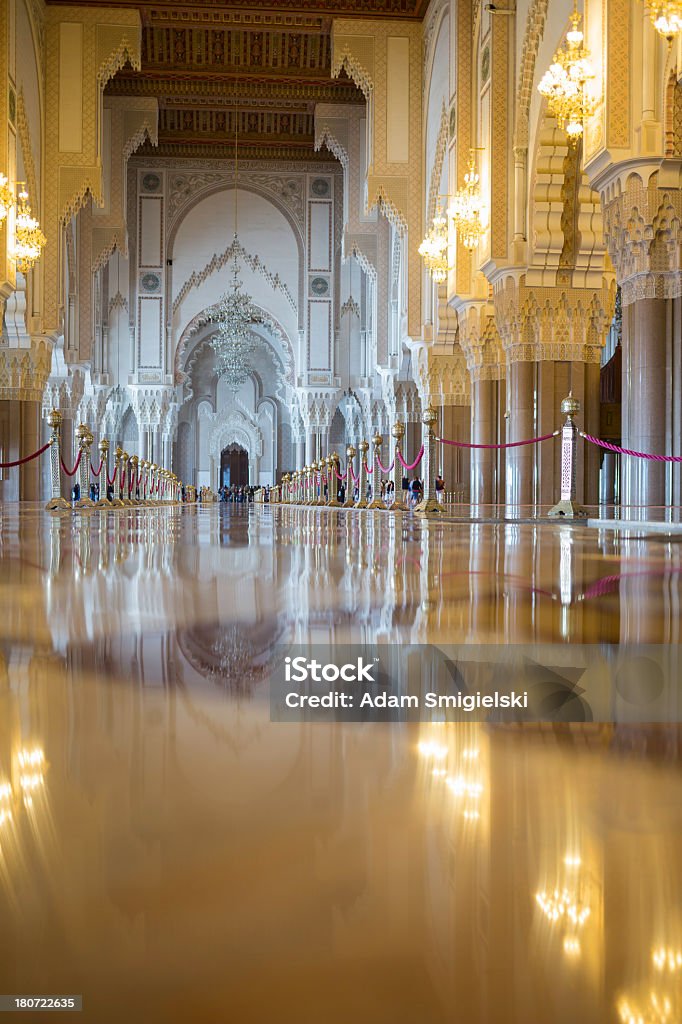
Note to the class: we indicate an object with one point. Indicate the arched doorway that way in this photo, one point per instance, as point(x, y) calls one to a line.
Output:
point(234, 466)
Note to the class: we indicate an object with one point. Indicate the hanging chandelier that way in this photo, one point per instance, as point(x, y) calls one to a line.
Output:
point(29, 241)
point(232, 344)
point(6, 197)
point(434, 248)
point(468, 210)
point(666, 16)
point(564, 84)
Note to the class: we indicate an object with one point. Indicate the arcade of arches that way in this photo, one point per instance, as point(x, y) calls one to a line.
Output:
point(173, 852)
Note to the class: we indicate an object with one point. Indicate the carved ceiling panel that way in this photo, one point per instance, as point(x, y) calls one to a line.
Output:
point(271, 62)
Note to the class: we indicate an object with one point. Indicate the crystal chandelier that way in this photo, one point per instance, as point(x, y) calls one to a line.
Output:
point(6, 197)
point(29, 241)
point(232, 344)
point(666, 16)
point(434, 248)
point(564, 84)
point(468, 209)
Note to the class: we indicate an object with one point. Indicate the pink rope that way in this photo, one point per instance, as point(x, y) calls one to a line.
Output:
point(72, 472)
point(96, 472)
point(369, 471)
point(412, 465)
point(627, 451)
point(338, 476)
point(385, 469)
point(27, 458)
point(352, 472)
point(509, 444)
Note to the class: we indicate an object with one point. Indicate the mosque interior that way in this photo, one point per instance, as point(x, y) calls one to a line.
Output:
point(346, 330)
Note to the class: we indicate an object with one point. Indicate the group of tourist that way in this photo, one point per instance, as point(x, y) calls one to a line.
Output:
point(236, 494)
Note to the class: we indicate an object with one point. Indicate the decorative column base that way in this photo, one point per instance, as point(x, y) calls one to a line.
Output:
point(58, 505)
point(429, 507)
point(568, 509)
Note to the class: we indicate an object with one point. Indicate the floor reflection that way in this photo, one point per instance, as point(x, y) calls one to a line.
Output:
point(173, 855)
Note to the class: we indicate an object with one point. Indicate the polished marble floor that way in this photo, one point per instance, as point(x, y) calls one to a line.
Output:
point(173, 855)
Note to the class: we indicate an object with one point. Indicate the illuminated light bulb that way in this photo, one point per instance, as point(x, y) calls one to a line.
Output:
point(433, 749)
point(439, 772)
point(564, 84)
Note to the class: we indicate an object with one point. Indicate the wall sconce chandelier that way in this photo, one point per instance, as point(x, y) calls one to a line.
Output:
point(29, 241)
point(434, 248)
point(564, 84)
point(666, 16)
point(6, 197)
point(468, 209)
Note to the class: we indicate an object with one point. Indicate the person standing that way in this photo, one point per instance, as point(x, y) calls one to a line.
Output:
point(440, 489)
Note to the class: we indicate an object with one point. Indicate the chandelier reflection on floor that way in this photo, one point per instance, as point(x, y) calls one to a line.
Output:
point(232, 344)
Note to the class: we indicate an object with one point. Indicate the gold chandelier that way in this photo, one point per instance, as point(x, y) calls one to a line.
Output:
point(564, 84)
point(468, 210)
point(434, 248)
point(29, 241)
point(666, 16)
point(6, 197)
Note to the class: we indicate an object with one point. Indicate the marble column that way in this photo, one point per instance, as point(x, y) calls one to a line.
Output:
point(483, 431)
point(648, 396)
point(29, 480)
point(300, 453)
point(520, 463)
point(607, 479)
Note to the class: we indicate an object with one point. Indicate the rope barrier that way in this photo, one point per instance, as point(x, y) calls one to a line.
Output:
point(628, 451)
point(369, 471)
point(96, 472)
point(414, 464)
point(27, 458)
point(339, 477)
point(385, 469)
point(509, 444)
point(352, 473)
point(72, 472)
point(110, 480)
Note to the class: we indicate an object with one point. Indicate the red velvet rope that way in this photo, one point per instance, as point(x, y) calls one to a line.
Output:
point(110, 480)
point(628, 451)
point(96, 472)
point(509, 444)
point(369, 471)
point(71, 472)
point(27, 458)
point(339, 477)
point(352, 472)
point(412, 464)
point(385, 469)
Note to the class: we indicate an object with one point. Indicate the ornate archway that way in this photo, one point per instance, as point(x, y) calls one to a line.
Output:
point(235, 429)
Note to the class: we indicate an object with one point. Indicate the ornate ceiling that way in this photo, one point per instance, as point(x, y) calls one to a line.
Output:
point(265, 64)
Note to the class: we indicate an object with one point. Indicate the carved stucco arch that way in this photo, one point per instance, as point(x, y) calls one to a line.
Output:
point(535, 29)
point(205, 317)
point(235, 428)
point(227, 185)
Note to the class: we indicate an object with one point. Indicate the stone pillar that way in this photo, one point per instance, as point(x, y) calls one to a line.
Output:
point(483, 431)
point(607, 479)
point(29, 485)
point(520, 462)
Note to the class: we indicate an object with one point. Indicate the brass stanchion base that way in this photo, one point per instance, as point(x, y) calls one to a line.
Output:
point(116, 503)
point(58, 504)
point(361, 504)
point(103, 503)
point(84, 503)
point(126, 501)
point(348, 504)
point(376, 504)
point(397, 506)
point(568, 509)
point(334, 503)
point(428, 507)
